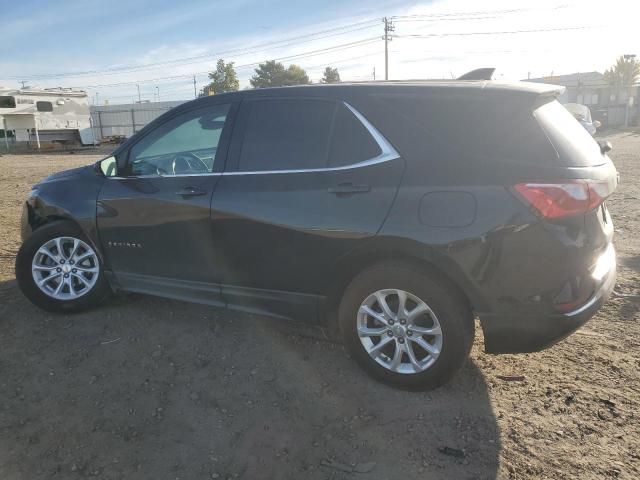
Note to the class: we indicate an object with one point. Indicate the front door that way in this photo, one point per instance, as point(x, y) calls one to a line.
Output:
point(154, 219)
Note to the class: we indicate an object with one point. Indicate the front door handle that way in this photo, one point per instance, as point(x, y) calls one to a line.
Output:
point(348, 188)
point(191, 192)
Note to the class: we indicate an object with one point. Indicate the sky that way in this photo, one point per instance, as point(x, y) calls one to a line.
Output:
point(113, 48)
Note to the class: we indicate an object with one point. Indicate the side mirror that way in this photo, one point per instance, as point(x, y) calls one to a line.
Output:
point(604, 146)
point(597, 124)
point(108, 166)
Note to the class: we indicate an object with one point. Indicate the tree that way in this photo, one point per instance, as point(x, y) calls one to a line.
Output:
point(223, 79)
point(331, 75)
point(624, 73)
point(273, 74)
point(297, 76)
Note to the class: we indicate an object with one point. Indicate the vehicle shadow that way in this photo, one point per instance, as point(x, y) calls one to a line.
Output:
point(152, 388)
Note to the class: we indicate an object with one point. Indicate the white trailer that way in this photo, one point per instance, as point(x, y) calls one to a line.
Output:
point(59, 115)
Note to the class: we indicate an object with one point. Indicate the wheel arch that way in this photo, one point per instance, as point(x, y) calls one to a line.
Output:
point(424, 258)
point(38, 214)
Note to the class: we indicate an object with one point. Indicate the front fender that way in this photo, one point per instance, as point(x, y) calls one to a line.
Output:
point(71, 198)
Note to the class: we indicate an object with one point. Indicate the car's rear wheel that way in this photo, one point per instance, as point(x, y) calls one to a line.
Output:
point(59, 271)
point(406, 327)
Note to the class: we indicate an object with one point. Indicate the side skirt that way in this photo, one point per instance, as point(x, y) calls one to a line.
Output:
point(273, 303)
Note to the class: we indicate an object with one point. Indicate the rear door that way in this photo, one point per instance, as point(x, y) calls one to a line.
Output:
point(309, 180)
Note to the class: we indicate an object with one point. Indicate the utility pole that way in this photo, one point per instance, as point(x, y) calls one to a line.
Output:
point(139, 99)
point(374, 73)
point(22, 82)
point(388, 27)
point(195, 92)
point(97, 102)
point(158, 92)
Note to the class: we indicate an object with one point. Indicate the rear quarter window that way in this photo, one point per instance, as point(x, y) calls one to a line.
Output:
point(463, 130)
point(575, 146)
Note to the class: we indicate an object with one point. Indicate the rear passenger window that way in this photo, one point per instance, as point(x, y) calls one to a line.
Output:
point(351, 141)
point(286, 135)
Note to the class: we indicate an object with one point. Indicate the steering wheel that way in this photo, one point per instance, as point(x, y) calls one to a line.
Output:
point(188, 162)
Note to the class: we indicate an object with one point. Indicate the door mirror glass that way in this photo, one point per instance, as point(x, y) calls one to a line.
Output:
point(108, 166)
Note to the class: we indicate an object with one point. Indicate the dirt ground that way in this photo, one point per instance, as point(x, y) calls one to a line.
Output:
point(157, 389)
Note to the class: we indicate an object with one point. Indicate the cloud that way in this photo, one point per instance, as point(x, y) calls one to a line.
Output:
point(422, 47)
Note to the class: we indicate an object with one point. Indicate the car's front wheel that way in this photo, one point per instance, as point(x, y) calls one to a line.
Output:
point(59, 271)
point(406, 327)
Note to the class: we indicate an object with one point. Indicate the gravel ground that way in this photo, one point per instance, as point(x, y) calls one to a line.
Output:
point(151, 388)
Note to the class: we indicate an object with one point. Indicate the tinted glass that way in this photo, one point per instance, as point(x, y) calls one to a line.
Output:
point(463, 130)
point(351, 142)
point(186, 144)
point(286, 134)
point(44, 106)
point(7, 102)
point(576, 146)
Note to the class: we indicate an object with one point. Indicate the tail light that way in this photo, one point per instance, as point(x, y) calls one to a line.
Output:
point(558, 200)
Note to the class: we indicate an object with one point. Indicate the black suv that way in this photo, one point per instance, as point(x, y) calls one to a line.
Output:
point(393, 211)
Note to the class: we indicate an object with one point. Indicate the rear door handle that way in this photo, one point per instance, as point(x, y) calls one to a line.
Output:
point(347, 188)
point(191, 192)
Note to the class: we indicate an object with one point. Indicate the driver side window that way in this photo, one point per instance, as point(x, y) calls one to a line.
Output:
point(186, 144)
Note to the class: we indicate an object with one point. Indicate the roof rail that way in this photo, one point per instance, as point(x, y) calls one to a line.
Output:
point(478, 74)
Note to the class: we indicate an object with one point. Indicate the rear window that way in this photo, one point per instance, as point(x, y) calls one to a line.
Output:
point(574, 144)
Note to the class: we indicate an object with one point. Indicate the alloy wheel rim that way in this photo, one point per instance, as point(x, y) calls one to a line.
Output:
point(65, 268)
point(399, 331)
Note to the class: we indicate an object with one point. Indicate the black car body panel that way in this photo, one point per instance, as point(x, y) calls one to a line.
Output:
point(438, 193)
point(69, 195)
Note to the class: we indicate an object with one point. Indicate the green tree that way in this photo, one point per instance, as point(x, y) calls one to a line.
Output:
point(296, 76)
point(223, 79)
point(331, 75)
point(274, 74)
point(624, 73)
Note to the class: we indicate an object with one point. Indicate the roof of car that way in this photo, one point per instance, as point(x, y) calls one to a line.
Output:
point(462, 86)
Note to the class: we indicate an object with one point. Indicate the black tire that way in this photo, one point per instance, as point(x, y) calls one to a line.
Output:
point(94, 296)
point(450, 307)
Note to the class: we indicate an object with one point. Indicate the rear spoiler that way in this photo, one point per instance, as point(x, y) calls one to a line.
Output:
point(478, 74)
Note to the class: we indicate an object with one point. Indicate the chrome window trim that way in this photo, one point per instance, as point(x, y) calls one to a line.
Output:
point(387, 154)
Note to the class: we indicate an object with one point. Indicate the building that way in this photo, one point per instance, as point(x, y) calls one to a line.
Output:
point(612, 106)
point(36, 115)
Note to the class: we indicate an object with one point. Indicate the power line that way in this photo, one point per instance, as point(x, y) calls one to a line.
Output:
point(478, 12)
point(289, 57)
point(333, 49)
point(319, 35)
point(465, 34)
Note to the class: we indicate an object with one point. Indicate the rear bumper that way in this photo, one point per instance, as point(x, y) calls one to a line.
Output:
point(521, 333)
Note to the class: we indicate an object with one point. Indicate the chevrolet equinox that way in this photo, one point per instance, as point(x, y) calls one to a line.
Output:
point(395, 211)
